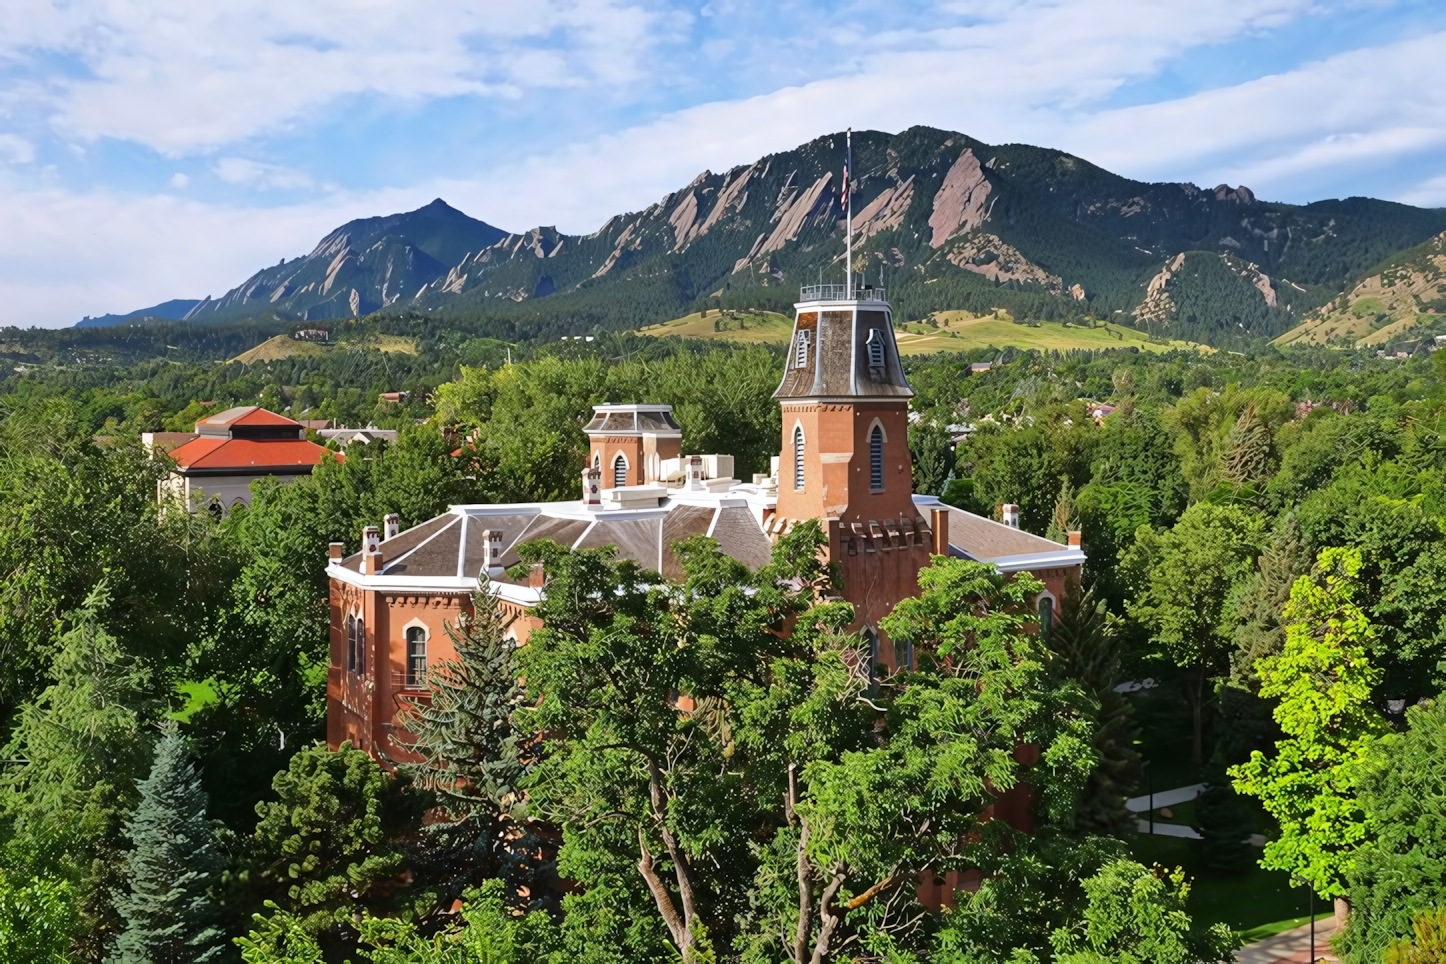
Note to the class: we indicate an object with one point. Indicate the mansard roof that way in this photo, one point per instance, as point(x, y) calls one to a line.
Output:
point(843, 349)
point(633, 420)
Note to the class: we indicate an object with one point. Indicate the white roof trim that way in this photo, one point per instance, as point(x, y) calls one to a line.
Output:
point(1039, 560)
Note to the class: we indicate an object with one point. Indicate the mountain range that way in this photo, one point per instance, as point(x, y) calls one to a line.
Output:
point(942, 220)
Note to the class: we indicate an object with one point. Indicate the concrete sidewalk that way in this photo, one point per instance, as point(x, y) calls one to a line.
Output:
point(1292, 946)
point(1165, 798)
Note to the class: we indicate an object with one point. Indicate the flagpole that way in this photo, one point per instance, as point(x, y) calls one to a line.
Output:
point(849, 217)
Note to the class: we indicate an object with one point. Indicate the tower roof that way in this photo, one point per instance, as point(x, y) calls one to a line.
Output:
point(843, 347)
point(633, 420)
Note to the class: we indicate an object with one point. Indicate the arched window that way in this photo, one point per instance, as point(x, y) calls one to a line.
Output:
point(876, 459)
point(620, 471)
point(798, 458)
point(361, 645)
point(350, 643)
point(416, 656)
point(597, 461)
point(1046, 617)
point(800, 357)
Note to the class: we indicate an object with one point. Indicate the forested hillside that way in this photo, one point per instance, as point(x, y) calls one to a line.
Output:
point(945, 221)
point(1265, 534)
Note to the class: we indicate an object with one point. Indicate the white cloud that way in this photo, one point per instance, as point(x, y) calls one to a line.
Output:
point(16, 150)
point(239, 170)
point(1019, 72)
point(179, 181)
point(181, 77)
point(68, 255)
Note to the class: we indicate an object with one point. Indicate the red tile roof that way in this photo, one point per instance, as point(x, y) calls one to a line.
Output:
point(247, 415)
point(210, 452)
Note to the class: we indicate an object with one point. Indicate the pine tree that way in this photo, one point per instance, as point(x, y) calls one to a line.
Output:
point(1261, 631)
point(1066, 517)
point(1082, 638)
point(84, 748)
point(1249, 457)
point(473, 759)
point(168, 911)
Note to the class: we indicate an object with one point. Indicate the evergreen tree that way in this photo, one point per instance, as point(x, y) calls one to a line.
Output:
point(1262, 599)
point(1066, 517)
point(84, 747)
point(1249, 457)
point(472, 759)
point(168, 910)
point(932, 451)
point(1084, 643)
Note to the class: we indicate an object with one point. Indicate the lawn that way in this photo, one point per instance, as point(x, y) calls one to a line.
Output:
point(747, 327)
point(964, 331)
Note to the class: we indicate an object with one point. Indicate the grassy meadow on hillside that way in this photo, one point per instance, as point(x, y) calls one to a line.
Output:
point(943, 331)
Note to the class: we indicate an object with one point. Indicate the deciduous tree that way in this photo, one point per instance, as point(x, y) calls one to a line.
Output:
point(1323, 680)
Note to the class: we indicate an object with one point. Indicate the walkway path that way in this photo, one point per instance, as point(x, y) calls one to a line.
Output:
point(1292, 946)
point(1166, 798)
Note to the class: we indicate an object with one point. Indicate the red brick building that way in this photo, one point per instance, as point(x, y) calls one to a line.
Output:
point(844, 460)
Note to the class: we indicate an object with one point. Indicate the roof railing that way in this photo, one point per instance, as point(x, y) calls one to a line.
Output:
point(840, 293)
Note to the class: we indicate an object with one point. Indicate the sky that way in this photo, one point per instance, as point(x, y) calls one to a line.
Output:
point(158, 149)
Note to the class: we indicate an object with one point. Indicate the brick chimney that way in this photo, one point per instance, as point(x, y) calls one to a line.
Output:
point(1073, 539)
point(492, 539)
point(371, 551)
point(391, 525)
point(536, 576)
point(1011, 515)
point(591, 489)
point(940, 523)
point(337, 550)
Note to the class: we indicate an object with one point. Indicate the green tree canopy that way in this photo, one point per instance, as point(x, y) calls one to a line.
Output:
point(1323, 681)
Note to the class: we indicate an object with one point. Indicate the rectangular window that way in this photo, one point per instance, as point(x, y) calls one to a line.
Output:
point(800, 357)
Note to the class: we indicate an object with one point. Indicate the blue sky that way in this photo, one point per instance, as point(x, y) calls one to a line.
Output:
point(152, 149)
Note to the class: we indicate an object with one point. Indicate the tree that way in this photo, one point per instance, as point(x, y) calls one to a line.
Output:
point(1066, 517)
point(1323, 679)
point(37, 918)
point(1137, 916)
point(84, 747)
point(1249, 457)
point(1427, 943)
point(1031, 885)
point(1084, 642)
point(167, 909)
point(1187, 576)
point(472, 759)
point(932, 450)
point(648, 791)
point(1262, 598)
point(331, 844)
point(485, 931)
point(1401, 871)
